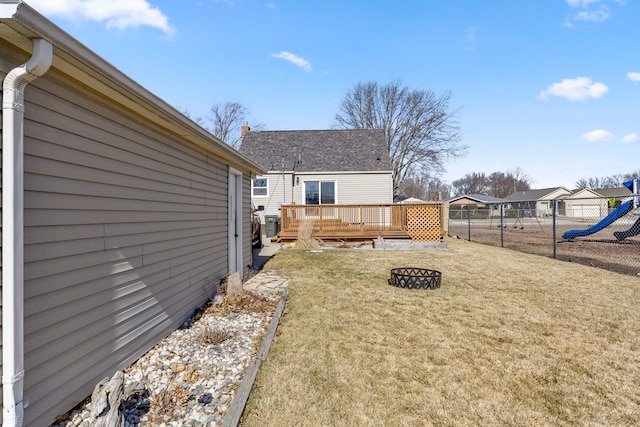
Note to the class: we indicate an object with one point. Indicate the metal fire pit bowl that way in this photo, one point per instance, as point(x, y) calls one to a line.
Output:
point(415, 278)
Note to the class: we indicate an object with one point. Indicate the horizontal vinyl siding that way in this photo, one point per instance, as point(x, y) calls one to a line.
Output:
point(352, 188)
point(358, 188)
point(273, 200)
point(125, 235)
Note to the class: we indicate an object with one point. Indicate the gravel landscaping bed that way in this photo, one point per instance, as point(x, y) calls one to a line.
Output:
point(190, 377)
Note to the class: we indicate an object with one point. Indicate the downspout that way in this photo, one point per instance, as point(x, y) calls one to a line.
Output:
point(13, 229)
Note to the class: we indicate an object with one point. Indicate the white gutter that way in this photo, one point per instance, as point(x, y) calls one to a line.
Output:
point(13, 229)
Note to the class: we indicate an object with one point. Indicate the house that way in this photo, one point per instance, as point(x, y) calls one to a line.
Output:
point(585, 203)
point(319, 167)
point(409, 200)
point(476, 201)
point(537, 202)
point(616, 196)
point(119, 218)
point(595, 203)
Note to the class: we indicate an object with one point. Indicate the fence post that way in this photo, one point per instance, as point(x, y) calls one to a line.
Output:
point(553, 216)
point(502, 225)
point(469, 222)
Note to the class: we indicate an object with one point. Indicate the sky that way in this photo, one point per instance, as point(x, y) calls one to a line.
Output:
point(551, 87)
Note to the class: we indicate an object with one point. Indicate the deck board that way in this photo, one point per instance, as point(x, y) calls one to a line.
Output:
point(363, 222)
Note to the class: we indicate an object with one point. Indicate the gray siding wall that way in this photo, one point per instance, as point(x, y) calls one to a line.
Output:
point(247, 251)
point(276, 194)
point(354, 188)
point(125, 235)
point(351, 188)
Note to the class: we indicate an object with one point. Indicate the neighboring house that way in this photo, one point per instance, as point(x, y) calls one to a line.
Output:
point(476, 201)
point(399, 198)
point(537, 202)
point(585, 203)
point(596, 203)
point(410, 200)
point(616, 196)
point(125, 218)
point(319, 167)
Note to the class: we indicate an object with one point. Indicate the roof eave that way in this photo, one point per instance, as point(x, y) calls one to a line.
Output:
point(369, 172)
point(20, 23)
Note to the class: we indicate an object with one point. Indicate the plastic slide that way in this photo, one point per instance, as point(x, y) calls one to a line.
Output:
point(606, 221)
point(633, 231)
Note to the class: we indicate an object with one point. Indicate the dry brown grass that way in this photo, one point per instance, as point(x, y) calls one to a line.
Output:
point(305, 235)
point(164, 400)
point(213, 335)
point(246, 302)
point(509, 339)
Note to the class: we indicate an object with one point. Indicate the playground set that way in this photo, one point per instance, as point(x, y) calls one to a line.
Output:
point(615, 215)
point(502, 223)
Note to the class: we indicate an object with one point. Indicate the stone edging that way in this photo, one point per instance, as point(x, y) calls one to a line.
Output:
point(242, 395)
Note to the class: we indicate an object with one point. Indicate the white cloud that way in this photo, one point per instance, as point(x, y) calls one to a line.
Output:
point(633, 76)
point(581, 3)
point(596, 16)
point(598, 135)
point(595, 11)
point(577, 89)
point(296, 60)
point(628, 139)
point(120, 14)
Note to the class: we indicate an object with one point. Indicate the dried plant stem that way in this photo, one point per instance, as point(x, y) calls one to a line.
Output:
point(305, 235)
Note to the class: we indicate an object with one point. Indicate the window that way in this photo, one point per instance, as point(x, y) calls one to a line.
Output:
point(260, 187)
point(320, 192)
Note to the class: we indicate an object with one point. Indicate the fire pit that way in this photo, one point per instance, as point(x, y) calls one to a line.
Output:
point(415, 278)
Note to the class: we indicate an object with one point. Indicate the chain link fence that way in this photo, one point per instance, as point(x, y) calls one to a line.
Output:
point(602, 232)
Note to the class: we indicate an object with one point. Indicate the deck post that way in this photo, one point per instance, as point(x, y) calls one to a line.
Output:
point(361, 222)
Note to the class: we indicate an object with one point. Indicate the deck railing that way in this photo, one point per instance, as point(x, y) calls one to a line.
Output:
point(394, 220)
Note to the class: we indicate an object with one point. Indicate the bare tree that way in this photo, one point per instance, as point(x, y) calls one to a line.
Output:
point(582, 183)
point(198, 119)
point(502, 184)
point(471, 183)
point(424, 187)
point(613, 181)
point(631, 175)
point(437, 189)
point(497, 184)
point(421, 130)
point(522, 181)
point(227, 120)
point(413, 186)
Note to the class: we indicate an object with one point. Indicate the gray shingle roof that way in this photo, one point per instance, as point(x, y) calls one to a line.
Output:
point(531, 195)
point(612, 192)
point(319, 150)
point(478, 197)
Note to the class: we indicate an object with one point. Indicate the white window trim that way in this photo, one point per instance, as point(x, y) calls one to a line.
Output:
point(335, 188)
point(266, 187)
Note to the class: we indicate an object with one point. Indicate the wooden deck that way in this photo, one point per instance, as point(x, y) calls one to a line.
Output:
point(419, 222)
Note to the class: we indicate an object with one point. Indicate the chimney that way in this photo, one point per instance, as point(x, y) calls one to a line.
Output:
point(245, 129)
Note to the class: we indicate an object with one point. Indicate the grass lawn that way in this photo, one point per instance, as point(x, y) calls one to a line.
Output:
point(509, 339)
